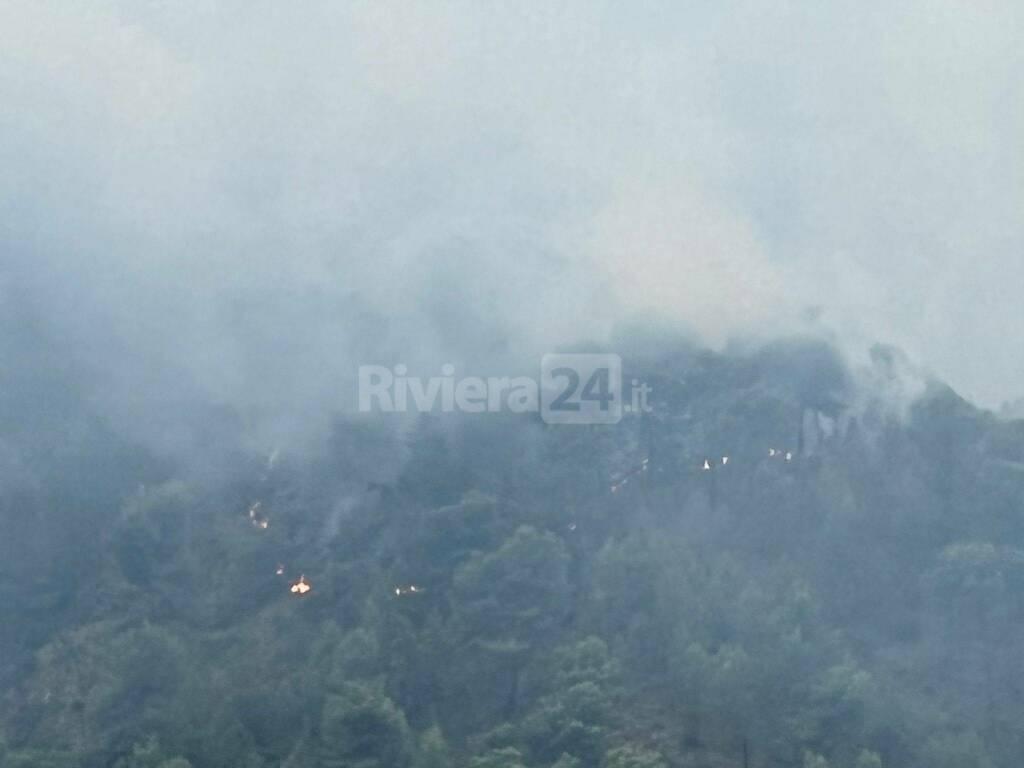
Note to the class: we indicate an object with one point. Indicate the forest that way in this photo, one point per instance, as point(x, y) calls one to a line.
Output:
point(790, 561)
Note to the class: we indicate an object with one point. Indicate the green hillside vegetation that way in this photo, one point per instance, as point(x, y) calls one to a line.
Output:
point(857, 606)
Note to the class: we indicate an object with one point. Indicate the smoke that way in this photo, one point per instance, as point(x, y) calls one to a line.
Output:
point(232, 205)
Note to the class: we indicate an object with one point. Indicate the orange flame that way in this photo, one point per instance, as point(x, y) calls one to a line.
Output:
point(301, 587)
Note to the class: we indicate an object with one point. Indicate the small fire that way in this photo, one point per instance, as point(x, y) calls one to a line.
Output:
point(642, 467)
point(301, 587)
point(257, 520)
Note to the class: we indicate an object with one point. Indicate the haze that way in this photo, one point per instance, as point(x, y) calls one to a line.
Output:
point(237, 203)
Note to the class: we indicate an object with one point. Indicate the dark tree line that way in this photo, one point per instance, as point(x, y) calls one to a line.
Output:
point(860, 605)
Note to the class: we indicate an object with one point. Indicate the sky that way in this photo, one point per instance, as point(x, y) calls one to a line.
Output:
point(239, 202)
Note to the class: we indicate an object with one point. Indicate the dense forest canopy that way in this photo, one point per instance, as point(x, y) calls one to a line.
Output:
point(484, 591)
point(224, 225)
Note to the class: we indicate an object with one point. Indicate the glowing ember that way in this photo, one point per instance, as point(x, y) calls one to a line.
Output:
point(642, 467)
point(301, 587)
point(257, 520)
point(412, 589)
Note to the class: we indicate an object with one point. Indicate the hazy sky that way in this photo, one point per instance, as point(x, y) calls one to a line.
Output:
point(240, 201)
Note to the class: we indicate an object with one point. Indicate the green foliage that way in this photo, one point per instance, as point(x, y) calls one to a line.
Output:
point(433, 750)
point(812, 760)
point(573, 717)
point(631, 756)
point(360, 728)
point(956, 750)
point(355, 657)
point(507, 757)
point(844, 608)
point(148, 754)
point(867, 759)
point(518, 592)
point(38, 758)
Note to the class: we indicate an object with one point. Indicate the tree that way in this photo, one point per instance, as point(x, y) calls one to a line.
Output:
point(955, 750)
point(147, 754)
point(506, 757)
point(518, 592)
point(361, 728)
point(433, 750)
point(812, 760)
point(632, 756)
point(868, 759)
point(572, 717)
point(507, 602)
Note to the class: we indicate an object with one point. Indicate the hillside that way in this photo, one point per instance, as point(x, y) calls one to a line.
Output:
point(846, 590)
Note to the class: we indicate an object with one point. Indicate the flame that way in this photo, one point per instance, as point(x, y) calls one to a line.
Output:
point(258, 521)
point(301, 587)
point(411, 589)
point(643, 466)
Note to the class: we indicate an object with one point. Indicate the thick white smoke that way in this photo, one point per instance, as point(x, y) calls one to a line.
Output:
point(237, 203)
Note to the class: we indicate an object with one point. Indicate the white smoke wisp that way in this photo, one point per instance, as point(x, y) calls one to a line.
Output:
point(237, 204)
